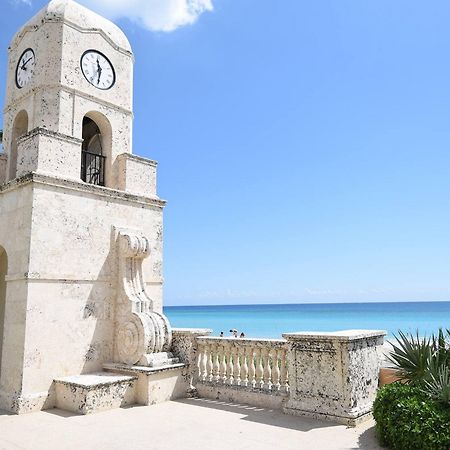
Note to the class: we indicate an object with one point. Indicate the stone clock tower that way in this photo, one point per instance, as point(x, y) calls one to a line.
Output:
point(80, 221)
point(68, 65)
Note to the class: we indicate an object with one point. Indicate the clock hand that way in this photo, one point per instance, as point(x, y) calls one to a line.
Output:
point(25, 63)
point(99, 71)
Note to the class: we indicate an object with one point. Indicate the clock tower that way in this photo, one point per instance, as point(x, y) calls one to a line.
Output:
point(80, 220)
point(71, 73)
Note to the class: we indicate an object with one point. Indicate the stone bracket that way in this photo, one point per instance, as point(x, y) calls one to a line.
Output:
point(140, 331)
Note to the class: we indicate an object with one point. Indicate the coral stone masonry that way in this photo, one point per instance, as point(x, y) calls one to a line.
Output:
point(80, 220)
point(333, 376)
point(81, 234)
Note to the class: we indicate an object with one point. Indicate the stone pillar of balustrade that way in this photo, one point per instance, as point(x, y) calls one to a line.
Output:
point(185, 347)
point(333, 376)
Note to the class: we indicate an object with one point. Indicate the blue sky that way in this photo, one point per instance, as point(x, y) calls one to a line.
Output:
point(304, 146)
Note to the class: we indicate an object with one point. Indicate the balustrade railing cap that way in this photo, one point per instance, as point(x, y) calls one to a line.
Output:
point(243, 340)
point(195, 331)
point(345, 335)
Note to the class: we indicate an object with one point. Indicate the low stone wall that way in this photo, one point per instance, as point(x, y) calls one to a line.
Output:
point(334, 376)
point(330, 376)
point(3, 165)
point(185, 347)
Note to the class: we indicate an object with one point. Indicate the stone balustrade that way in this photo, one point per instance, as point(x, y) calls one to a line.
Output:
point(252, 364)
point(331, 376)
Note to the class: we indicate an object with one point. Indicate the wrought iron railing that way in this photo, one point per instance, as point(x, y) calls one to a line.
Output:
point(93, 168)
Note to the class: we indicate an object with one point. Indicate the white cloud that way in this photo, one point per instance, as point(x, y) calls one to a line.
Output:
point(156, 15)
point(18, 2)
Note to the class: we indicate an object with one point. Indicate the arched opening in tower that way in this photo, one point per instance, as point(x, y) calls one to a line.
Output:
point(92, 157)
point(20, 128)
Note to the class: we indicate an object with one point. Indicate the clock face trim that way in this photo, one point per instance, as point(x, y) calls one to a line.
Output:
point(25, 68)
point(98, 69)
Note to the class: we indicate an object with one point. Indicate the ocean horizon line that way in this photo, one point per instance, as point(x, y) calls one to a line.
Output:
point(352, 302)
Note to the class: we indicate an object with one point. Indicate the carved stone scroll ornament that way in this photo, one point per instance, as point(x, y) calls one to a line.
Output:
point(142, 336)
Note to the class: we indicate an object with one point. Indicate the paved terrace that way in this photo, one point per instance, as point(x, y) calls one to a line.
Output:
point(186, 424)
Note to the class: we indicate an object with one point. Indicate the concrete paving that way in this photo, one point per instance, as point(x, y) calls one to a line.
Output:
point(185, 424)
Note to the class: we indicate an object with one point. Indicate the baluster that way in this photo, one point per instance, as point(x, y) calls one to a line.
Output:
point(267, 369)
point(284, 376)
point(223, 365)
point(231, 356)
point(244, 366)
point(209, 361)
point(202, 362)
point(252, 368)
point(216, 363)
point(199, 359)
point(276, 385)
point(259, 369)
point(206, 356)
point(237, 365)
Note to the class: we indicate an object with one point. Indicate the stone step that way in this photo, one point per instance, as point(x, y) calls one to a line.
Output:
point(155, 384)
point(91, 393)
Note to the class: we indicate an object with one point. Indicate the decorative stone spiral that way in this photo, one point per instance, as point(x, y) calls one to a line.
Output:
point(130, 339)
point(140, 330)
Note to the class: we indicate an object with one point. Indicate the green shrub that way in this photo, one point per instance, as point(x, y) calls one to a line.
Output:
point(407, 418)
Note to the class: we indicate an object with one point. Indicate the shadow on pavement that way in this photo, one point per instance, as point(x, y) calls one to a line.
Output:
point(262, 415)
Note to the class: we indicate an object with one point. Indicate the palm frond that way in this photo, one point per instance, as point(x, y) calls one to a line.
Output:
point(411, 355)
point(438, 383)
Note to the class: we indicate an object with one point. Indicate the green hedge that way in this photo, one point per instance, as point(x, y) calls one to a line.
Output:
point(408, 419)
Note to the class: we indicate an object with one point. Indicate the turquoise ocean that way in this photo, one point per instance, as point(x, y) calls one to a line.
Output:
point(270, 321)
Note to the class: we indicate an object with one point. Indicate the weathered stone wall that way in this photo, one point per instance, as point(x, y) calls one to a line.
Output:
point(63, 279)
point(334, 375)
point(44, 151)
point(3, 164)
point(185, 347)
point(15, 232)
point(57, 230)
point(136, 175)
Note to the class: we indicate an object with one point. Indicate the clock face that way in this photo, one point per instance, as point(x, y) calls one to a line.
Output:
point(25, 68)
point(98, 70)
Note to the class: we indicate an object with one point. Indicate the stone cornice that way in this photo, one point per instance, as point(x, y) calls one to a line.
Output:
point(192, 331)
point(339, 336)
point(44, 277)
point(69, 90)
point(79, 186)
point(49, 133)
point(149, 162)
